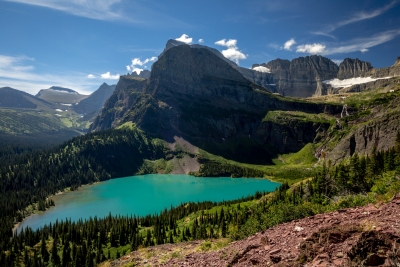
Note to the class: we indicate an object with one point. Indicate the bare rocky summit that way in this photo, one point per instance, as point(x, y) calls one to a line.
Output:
point(361, 236)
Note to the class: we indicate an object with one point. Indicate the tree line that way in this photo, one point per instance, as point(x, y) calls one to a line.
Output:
point(96, 157)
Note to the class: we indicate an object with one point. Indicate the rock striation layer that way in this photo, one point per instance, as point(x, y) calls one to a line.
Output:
point(350, 68)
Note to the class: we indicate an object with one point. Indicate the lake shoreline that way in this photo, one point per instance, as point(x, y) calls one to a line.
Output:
point(62, 196)
point(17, 225)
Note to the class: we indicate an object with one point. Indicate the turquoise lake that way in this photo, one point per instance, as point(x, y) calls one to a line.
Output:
point(145, 194)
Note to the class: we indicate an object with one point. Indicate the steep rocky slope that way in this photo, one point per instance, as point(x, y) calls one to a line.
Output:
point(350, 68)
point(362, 236)
point(92, 105)
point(117, 105)
point(302, 77)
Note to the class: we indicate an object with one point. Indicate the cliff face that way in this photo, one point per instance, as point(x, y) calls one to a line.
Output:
point(350, 68)
point(387, 72)
point(302, 77)
point(119, 103)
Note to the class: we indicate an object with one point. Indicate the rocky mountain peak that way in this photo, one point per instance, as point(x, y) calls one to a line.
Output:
point(397, 62)
point(145, 74)
point(350, 68)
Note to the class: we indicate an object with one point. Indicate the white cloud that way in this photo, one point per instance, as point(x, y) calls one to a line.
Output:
point(262, 69)
point(229, 43)
point(359, 44)
point(108, 76)
point(363, 44)
point(201, 41)
point(185, 39)
point(364, 15)
point(93, 9)
point(288, 44)
point(233, 53)
point(311, 48)
point(91, 76)
point(17, 72)
point(137, 70)
point(137, 62)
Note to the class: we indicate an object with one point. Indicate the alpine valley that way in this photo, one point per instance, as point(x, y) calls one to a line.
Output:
point(329, 133)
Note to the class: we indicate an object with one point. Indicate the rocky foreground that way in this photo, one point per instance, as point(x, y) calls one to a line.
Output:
point(362, 236)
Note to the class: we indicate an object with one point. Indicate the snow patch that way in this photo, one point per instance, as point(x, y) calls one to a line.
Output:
point(262, 69)
point(58, 115)
point(64, 91)
point(59, 110)
point(336, 83)
point(66, 104)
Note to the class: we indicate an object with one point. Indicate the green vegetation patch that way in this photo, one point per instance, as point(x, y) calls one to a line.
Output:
point(279, 116)
point(27, 122)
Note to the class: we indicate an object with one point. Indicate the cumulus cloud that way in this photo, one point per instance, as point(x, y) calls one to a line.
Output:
point(185, 39)
point(137, 62)
point(201, 41)
point(363, 50)
point(313, 49)
point(108, 76)
point(288, 44)
point(233, 53)
point(91, 76)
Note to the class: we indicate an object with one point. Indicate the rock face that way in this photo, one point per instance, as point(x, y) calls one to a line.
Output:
point(387, 72)
point(92, 105)
point(302, 77)
point(350, 68)
point(145, 74)
point(195, 94)
point(119, 103)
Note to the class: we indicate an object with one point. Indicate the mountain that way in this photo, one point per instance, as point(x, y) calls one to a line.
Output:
point(301, 77)
point(60, 95)
point(120, 102)
point(312, 75)
point(145, 74)
point(350, 68)
point(29, 120)
point(194, 94)
point(12, 98)
point(92, 105)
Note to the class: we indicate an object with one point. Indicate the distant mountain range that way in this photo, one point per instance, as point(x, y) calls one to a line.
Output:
point(303, 76)
point(53, 114)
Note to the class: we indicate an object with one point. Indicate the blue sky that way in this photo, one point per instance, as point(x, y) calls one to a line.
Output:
point(80, 44)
